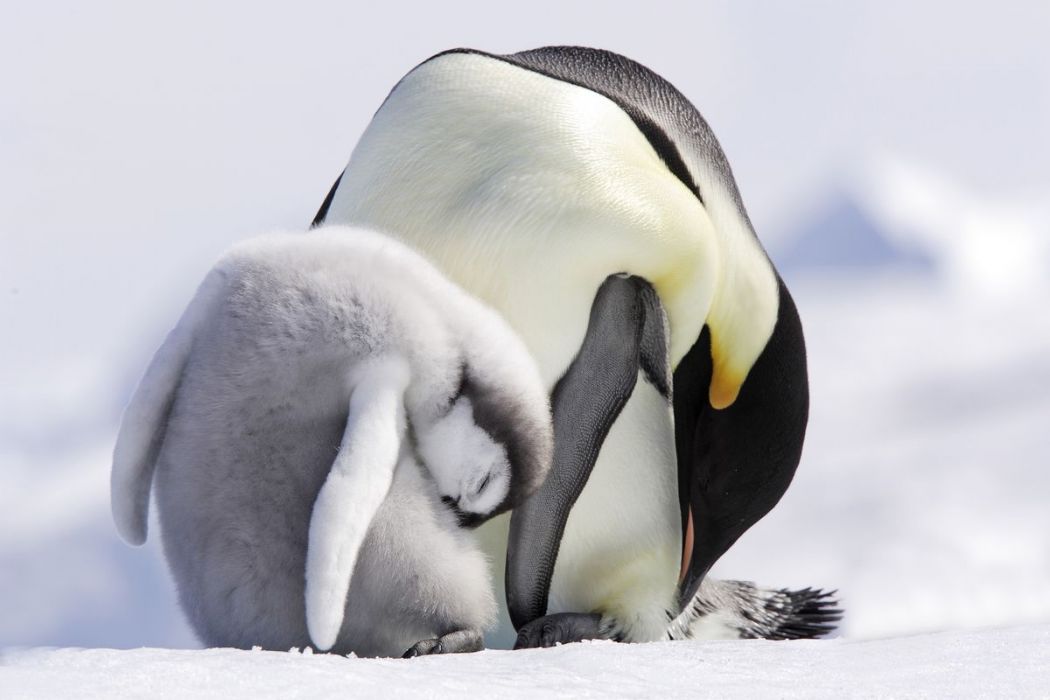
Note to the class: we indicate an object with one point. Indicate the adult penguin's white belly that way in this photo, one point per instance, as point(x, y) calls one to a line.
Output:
point(529, 192)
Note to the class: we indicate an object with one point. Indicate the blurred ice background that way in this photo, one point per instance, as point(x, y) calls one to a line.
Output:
point(894, 158)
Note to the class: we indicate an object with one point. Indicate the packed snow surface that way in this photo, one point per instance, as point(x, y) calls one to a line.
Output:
point(988, 663)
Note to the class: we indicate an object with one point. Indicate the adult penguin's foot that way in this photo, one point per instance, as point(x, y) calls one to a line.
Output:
point(560, 628)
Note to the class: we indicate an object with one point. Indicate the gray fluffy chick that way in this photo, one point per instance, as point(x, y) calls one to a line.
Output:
point(323, 423)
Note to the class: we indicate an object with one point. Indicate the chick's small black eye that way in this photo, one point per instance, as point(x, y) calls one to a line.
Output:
point(484, 482)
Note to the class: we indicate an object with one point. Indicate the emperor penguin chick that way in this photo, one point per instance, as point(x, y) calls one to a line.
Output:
point(323, 424)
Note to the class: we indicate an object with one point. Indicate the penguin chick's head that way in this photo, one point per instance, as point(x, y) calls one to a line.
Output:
point(471, 469)
point(493, 446)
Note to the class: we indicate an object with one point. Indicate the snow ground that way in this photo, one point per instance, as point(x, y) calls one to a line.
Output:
point(989, 663)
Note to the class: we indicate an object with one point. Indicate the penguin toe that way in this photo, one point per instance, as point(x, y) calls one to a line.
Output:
point(423, 647)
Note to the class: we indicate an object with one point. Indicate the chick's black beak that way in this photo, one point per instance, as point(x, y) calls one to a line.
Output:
point(467, 520)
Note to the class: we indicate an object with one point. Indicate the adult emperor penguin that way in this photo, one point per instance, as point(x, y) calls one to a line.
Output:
point(587, 200)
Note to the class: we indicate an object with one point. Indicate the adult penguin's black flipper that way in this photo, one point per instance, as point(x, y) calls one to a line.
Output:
point(734, 464)
point(322, 213)
point(626, 334)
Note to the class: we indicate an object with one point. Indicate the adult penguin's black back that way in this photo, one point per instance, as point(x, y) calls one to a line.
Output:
point(687, 288)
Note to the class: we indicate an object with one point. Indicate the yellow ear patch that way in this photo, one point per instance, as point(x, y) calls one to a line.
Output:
point(743, 314)
point(725, 380)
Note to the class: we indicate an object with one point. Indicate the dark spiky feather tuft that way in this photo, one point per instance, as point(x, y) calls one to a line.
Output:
point(741, 610)
point(801, 614)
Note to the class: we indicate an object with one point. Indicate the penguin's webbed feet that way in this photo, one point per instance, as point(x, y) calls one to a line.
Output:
point(560, 628)
point(459, 642)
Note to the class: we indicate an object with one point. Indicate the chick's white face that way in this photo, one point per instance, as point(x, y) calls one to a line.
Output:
point(471, 470)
